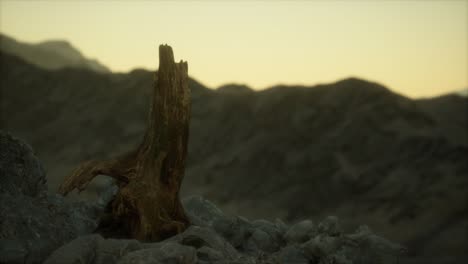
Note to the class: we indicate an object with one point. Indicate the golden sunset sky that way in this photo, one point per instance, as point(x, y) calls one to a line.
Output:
point(416, 48)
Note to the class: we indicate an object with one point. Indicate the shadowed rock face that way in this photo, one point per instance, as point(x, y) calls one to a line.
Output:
point(33, 224)
point(22, 173)
point(351, 148)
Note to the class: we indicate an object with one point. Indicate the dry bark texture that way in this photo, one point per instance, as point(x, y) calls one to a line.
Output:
point(147, 205)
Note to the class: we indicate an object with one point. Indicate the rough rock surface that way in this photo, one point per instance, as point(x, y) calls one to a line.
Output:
point(94, 248)
point(20, 170)
point(40, 228)
point(32, 223)
point(237, 240)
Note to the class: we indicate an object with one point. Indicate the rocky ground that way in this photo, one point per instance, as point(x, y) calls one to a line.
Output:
point(36, 227)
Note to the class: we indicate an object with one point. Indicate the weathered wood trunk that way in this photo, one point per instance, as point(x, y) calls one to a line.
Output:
point(147, 205)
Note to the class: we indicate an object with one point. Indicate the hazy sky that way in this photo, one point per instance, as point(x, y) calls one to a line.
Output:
point(417, 48)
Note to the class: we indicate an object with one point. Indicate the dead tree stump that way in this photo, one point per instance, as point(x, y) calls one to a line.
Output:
point(147, 205)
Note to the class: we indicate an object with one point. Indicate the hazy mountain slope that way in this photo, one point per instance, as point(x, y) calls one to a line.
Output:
point(463, 92)
point(234, 88)
point(451, 111)
point(352, 148)
point(50, 54)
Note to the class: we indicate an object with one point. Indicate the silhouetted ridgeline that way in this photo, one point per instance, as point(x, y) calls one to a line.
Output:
point(352, 148)
point(52, 55)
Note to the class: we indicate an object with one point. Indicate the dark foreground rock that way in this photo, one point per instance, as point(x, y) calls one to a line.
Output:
point(40, 228)
point(224, 239)
point(20, 170)
point(32, 223)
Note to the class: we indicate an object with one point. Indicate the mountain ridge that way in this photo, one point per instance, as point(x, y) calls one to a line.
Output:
point(51, 55)
point(351, 148)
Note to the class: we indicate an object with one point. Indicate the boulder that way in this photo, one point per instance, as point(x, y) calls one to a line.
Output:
point(32, 223)
point(199, 237)
point(275, 229)
point(281, 226)
point(363, 246)
point(209, 254)
point(321, 246)
point(300, 232)
point(80, 250)
point(41, 225)
point(110, 189)
point(292, 254)
point(330, 225)
point(201, 212)
point(236, 230)
point(20, 170)
point(365, 236)
point(111, 250)
point(261, 241)
point(94, 249)
point(167, 253)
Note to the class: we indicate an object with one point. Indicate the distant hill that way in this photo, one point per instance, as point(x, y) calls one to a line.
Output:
point(234, 88)
point(50, 54)
point(451, 111)
point(463, 92)
point(352, 148)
